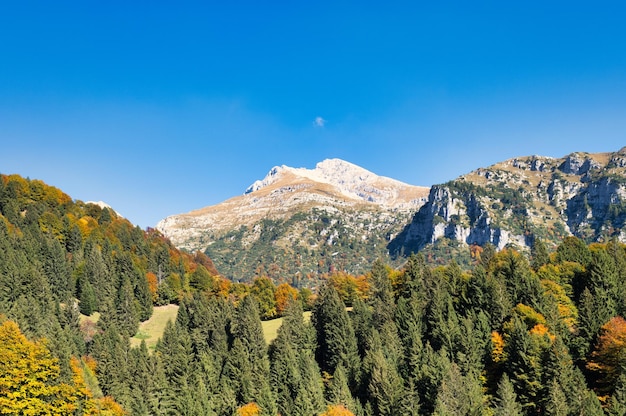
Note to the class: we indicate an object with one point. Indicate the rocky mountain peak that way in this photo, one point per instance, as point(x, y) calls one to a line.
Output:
point(347, 179)
point(334, 212)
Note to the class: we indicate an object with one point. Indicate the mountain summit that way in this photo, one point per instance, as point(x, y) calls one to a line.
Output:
point(349, 180)
point(309, 213)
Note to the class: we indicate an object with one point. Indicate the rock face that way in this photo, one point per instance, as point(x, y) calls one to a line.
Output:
point(512, 202)
point(296, 222)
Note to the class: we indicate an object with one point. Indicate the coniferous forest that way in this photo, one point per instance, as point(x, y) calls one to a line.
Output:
point(514, 334)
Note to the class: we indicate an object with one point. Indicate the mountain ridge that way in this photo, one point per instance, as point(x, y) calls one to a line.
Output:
point(297, 221)
point(523, 198)
point(307, 209)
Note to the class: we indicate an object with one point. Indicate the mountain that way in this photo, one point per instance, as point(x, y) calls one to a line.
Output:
point(299, 222)
point(518, 200)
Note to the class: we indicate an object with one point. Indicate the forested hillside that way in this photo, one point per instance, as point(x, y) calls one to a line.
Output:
point(509, 335)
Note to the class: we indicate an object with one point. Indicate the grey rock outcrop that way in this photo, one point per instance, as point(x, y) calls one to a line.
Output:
point(514, 201)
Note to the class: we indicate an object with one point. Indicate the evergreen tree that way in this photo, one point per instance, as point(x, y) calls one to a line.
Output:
point(524, 364)
point(591, 405)
point(381, 298)
point(86, 297)
point(573, 249)
point(506, 402)
point(176, 352)
point(127, 317)
point(459, 395)
point(338, 392)
point(431, 370)
point(56, 269)
point(248, 365)
point(557, 402)
point(385, 388)
point(539, 254)
point(617, 402)
point(336, 342)
point(295, 376)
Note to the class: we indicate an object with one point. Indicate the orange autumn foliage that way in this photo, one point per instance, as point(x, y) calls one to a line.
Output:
point(284, 295)
point(153, 285)
point(350, 287)
point(92, 406)
point(609, 355)
point(250, 409)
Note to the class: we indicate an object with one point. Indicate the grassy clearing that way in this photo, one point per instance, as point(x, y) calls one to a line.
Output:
point(270, 328)
point(93, 318)
point(152, 329)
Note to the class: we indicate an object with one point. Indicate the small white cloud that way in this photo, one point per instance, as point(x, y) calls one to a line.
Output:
point(319, 122)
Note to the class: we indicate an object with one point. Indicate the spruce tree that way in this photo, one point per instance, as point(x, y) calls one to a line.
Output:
point(557, 402)
point(248, 363)
point(127, 317)
point(459, 395)
point(506, 401)
point(617, 402)
point(539, 254)
point(385, 388)
point(381, 298)
point(336, 341)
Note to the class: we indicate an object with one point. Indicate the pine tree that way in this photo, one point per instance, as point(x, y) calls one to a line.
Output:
point(381, 298)
point(338, 392)
point(176, 352)
point(294, 375)
point(523, 364)
point(617, 402)
point(591, 405)
point(86, 296)
point(385, 388)
point(431, 370)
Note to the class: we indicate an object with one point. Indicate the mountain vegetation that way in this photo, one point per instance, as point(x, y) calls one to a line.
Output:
point(506, 331)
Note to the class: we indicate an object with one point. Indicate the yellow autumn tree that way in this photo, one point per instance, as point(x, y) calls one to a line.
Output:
point(29, 380)
point(29, 377)
point(250, 409)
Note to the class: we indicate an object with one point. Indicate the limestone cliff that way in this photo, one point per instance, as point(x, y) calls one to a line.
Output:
point(512, 202)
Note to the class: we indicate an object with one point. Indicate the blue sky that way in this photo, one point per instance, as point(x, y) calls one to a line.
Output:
point(160, 109)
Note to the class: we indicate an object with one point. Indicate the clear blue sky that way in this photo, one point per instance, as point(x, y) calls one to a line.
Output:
point(159, 107)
